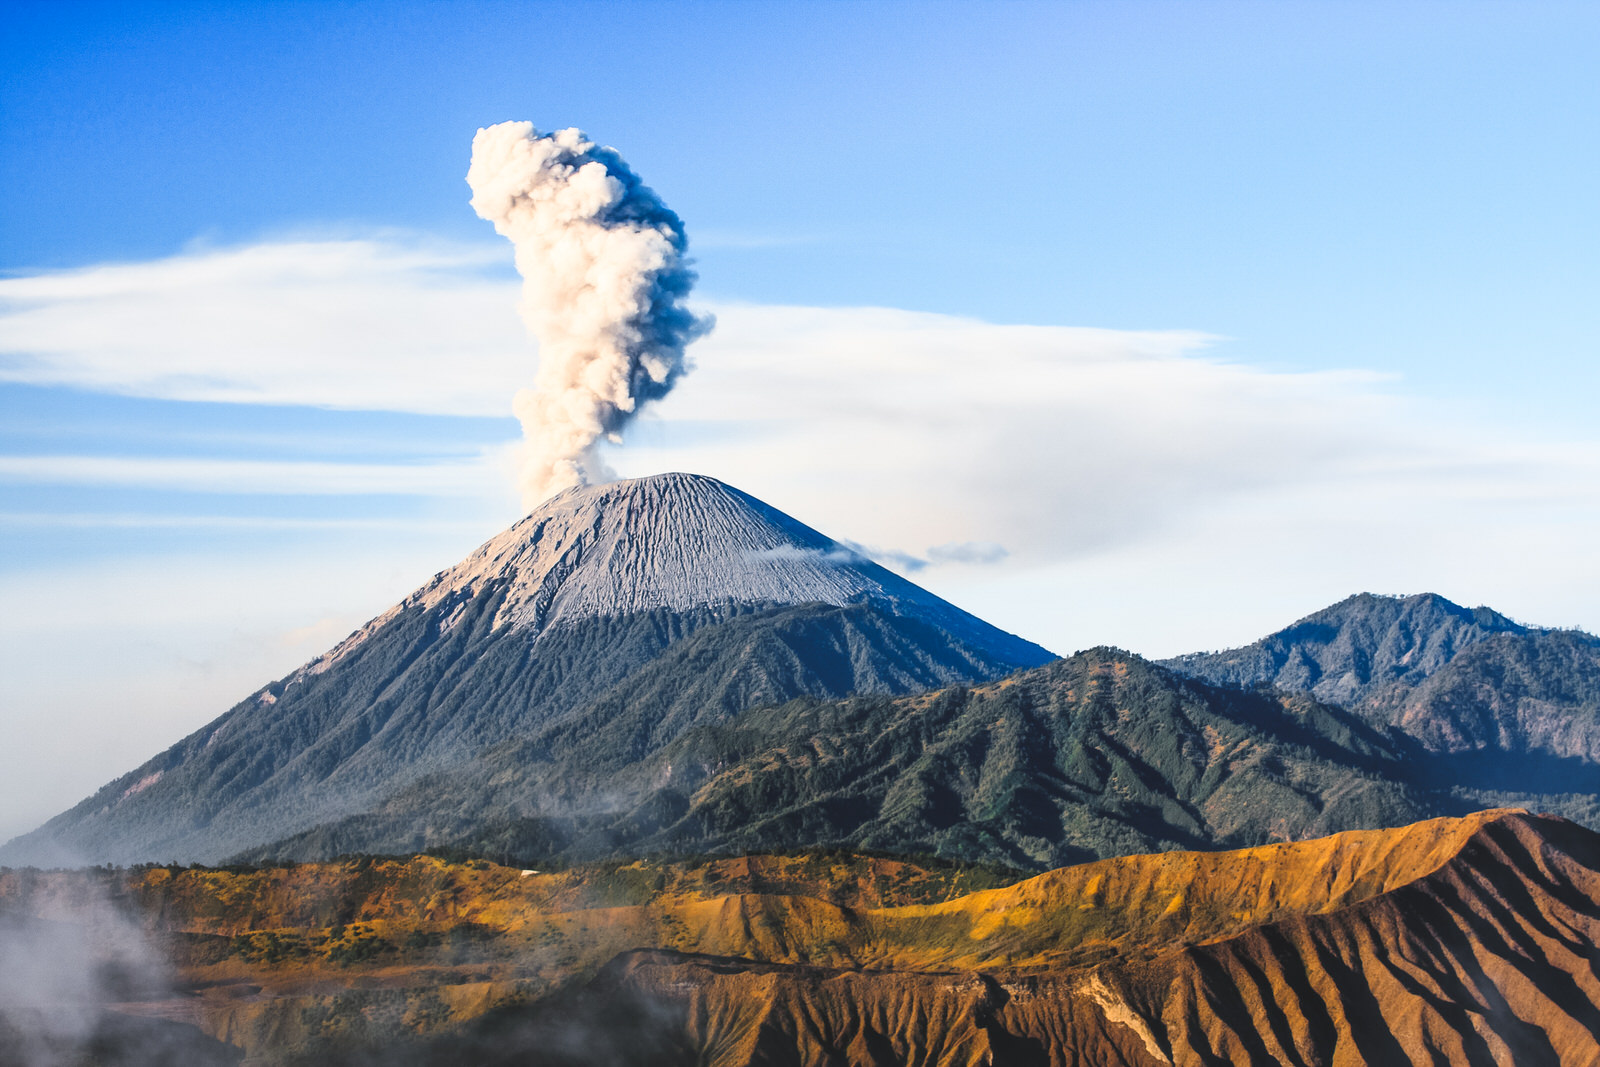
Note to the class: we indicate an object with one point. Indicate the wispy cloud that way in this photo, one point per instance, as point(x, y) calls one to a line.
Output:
point(381, 324)
point(841, 556)
point(138, 521)
point(949, 445)
point(482, 478)
point(920, 434)
point(905, 430)
point(978, 552)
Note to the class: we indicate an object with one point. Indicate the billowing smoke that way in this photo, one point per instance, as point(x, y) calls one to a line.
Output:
point(603, 290)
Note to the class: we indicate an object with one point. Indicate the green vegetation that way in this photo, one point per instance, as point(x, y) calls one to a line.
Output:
point(436, 688)
point(1102, 754)
point(1099, 755)
point(804, 728)
point(1490, 712)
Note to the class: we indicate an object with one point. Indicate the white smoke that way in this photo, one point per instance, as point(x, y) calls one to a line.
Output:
point(67, 955)
point(604, 280)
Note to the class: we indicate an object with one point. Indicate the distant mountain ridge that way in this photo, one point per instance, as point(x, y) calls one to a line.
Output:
point(1354, 649)
point(543, 620)
point(1532, 692)
point(1456, 680)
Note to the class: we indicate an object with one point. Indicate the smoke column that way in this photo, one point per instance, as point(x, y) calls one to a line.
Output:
point(604, 280)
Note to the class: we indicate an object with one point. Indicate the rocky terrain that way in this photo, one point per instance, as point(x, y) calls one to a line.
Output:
point(1355, 650)
point(1462, 942)
point(1473, 940)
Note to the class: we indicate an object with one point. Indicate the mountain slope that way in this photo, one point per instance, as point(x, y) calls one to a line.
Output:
point(1505, 713)
point(1347, 653)
point(1098, 755)
point(677, 542)
point(1535, 692)
point(1101, 754)
point(581, 596)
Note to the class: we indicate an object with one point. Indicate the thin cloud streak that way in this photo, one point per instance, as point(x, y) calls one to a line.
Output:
point(480, 478)
point(912, 431)
point(133, 521)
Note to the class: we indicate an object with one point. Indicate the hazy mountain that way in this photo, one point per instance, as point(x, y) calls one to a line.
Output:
point(1515, 710)
point(1356, 649)
point(1529, 693)
point(576, 600)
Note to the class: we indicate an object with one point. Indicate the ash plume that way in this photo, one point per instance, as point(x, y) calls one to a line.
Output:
point(604, 283)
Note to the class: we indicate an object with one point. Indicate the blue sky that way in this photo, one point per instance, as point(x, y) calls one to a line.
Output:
point(1393, 184)
point(1215, 312)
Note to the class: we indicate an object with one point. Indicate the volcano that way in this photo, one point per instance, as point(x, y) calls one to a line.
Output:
point(675, 593)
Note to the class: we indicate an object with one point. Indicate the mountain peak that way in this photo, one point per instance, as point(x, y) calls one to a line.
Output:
point(667, 541)
point(675, 541)
point(1426, 609)
point(1351, 649)
point(632, 610)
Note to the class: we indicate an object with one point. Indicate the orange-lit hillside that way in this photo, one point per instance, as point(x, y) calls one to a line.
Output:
point(1295, 951)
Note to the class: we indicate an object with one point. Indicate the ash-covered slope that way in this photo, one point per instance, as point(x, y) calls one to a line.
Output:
point(581, 597)
point(674, 542)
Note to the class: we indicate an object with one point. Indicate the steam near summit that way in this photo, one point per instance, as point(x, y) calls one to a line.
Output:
point(604, 283)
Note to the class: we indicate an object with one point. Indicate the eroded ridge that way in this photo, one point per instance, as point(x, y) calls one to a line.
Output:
point(1468, 940)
